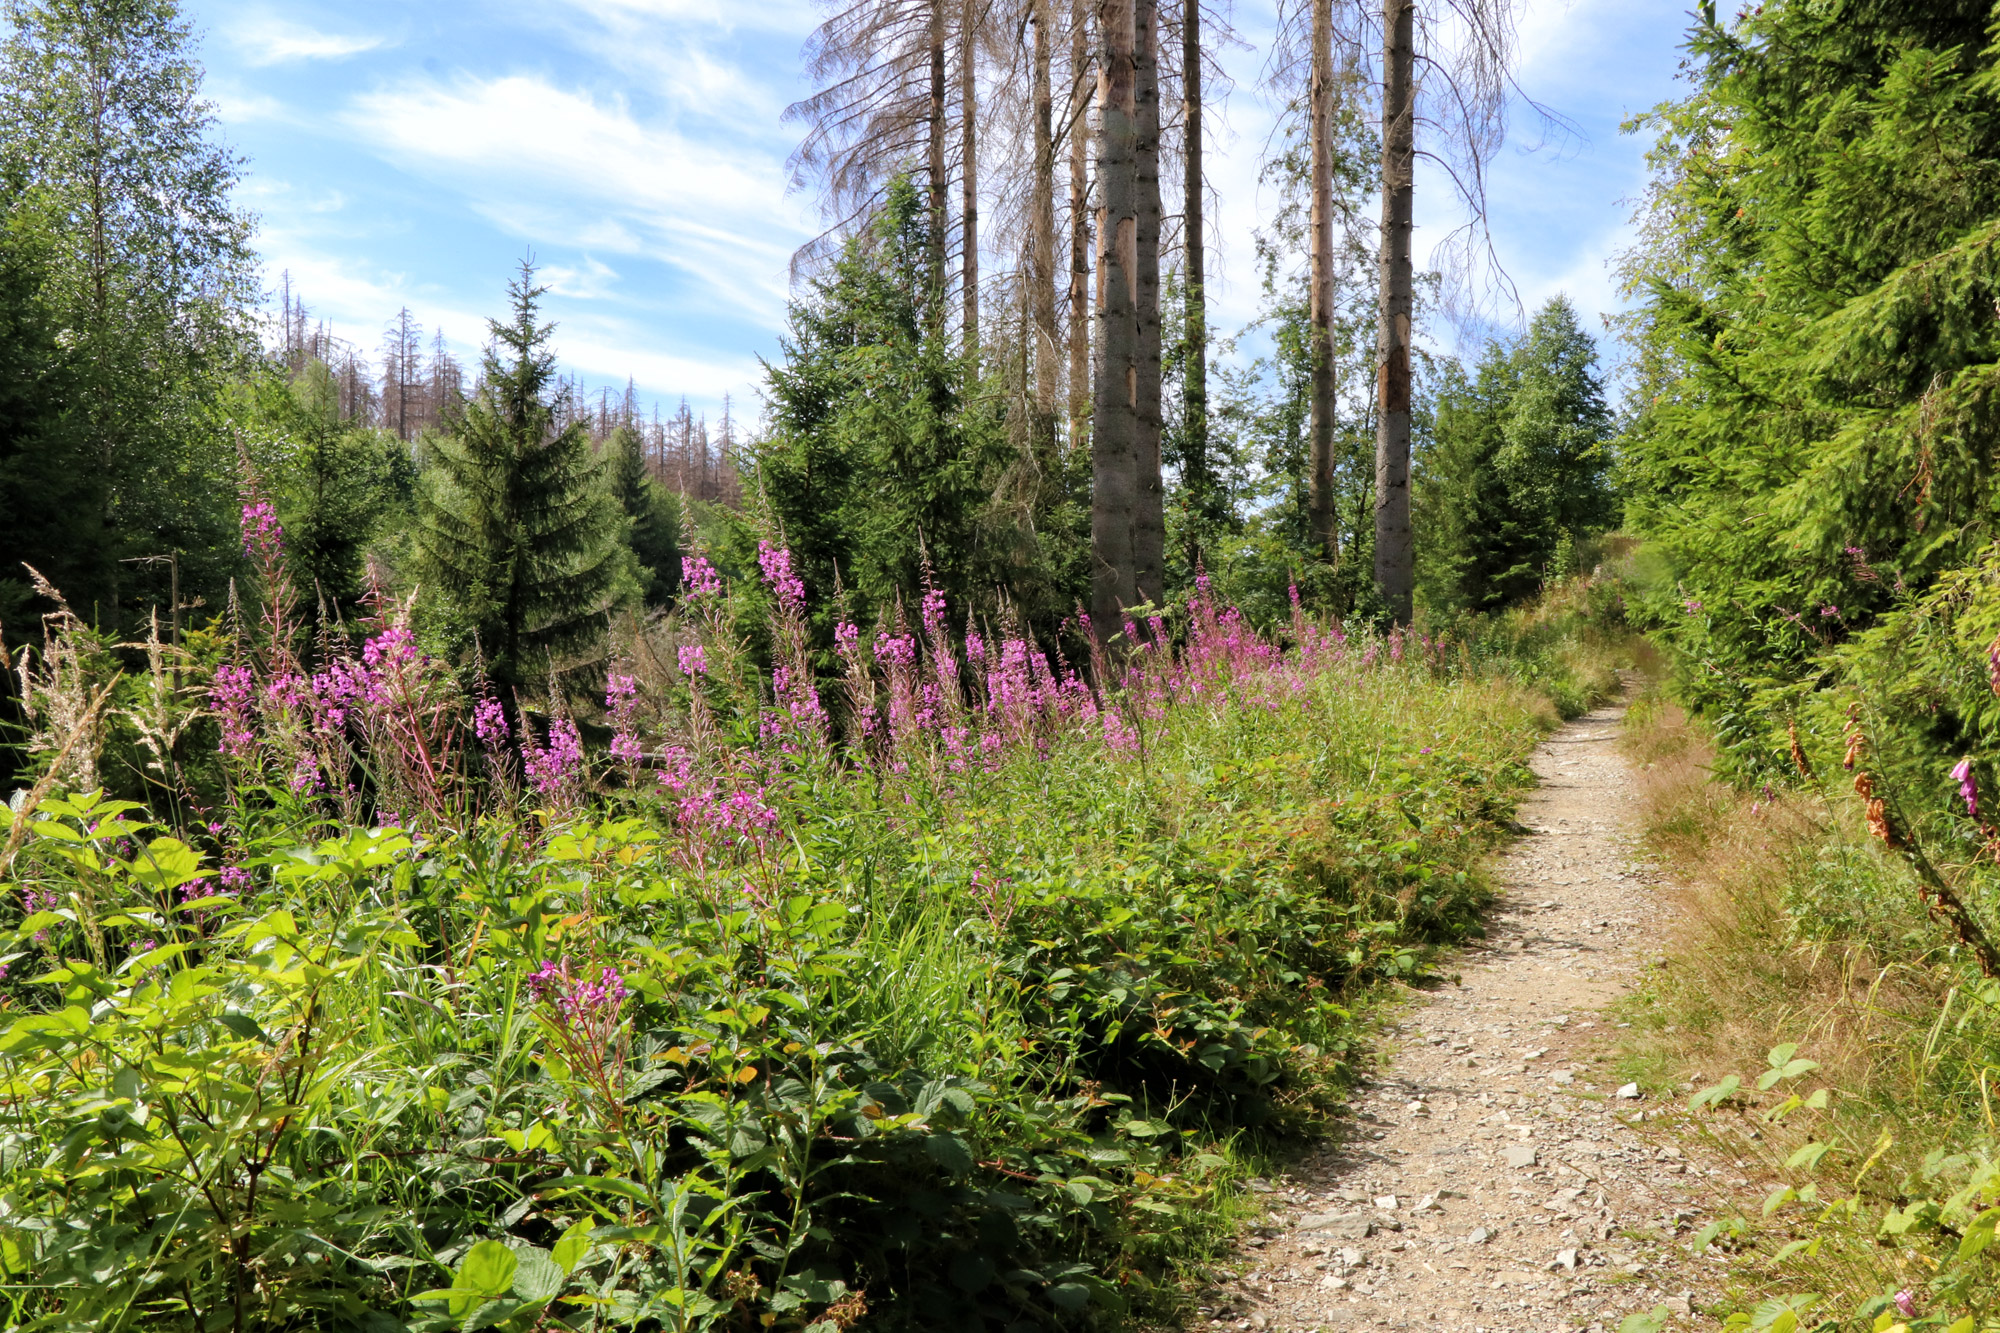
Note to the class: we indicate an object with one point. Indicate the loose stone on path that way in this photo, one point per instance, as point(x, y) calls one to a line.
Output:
point(1496, 1181)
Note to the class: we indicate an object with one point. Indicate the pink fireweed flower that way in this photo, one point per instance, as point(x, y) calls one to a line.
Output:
point(776, 564)
point(1906, 1303)
point(1693, 606)
point(263, 538)
point(694, 662)
point(699, 579)
point(489, 723)
point(232, 694)
point(1829, 613)
point(551, 768)
point(393, 647)
point(621, 700)
point(1968, 786)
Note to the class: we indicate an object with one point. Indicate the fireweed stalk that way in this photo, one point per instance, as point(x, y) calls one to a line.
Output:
point(393, 712)
point(584, 1015)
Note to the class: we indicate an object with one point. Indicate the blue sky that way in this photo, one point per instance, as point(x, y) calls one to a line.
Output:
point(412, 154)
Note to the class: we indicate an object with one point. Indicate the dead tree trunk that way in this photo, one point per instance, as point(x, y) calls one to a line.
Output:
point(1042, 237)
point(1194, 384)
point(1320, 498)
point(1080, 361)
point(968, 177)
point(1115, 397)
point(936, 163)
point(1149, 524)
point(1395, 571)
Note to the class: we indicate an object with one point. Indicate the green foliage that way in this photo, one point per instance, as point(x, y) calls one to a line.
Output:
point(515, 529)
point(338, 485)
point(52, 502)
point(959, 1050)
point(886, 454)
point(120, 191)
point(652, 517)
point(1515, 473)
point(1813, 427)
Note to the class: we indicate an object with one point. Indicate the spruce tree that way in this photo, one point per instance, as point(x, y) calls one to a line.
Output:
point(1516, 470)
point(880, 453)
point(515, 527)
point(652, 517)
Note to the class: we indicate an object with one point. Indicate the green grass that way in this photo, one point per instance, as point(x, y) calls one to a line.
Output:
point(984, 1048)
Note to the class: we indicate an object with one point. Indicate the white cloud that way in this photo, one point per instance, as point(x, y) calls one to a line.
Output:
point(557, 165)
point(266, 39)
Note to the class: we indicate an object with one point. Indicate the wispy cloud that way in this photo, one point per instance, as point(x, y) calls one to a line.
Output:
point(266, 39)
point(557, 165)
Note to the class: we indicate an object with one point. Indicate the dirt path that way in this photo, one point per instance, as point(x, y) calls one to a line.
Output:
point(1495, 1181)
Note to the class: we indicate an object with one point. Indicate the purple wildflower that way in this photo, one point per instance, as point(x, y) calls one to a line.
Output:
point(263, 538)
point(1906, 1303)
point(776, 563)
point(551, 768)
point(699, 578)
point(1968, 786)
point(489, 723)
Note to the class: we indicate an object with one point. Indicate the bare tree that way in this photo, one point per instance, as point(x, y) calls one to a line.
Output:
point(879, 111)
point(1320, 93)
point(1080, 397)
point(1149, 523)
point(1114, 426)
point(1194, 379)
point(402, 372)
point(970, 17)
point(1443, 71)
point(1041, 278)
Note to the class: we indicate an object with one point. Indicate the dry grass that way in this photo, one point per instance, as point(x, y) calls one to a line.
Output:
point(1795, 927)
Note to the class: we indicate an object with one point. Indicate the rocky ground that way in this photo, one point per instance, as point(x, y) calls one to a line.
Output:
point(1500, 1179)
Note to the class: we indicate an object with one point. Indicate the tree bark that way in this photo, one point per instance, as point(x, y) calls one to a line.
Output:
point(1080, 405)
point(968, 148)
point(936, 163)
point(1042, 238)
point(1115, 398)
point(1149, 524)
point(1322, 520)
point(1194, 384)
point(1395, 566)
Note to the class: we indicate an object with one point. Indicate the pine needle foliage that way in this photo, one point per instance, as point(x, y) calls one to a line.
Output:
point(515, 525)
point(1818, 359)
point(1516, 474)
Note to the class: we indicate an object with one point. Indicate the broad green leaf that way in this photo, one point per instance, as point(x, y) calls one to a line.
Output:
point(574, 1245)
point(488, 1268)
point(1807, 1158)
point(538, 1278)
point(1652, 1321)
point(949, 1151)
point(166, 864)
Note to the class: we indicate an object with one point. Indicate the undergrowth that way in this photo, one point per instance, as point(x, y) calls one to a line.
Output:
point(1829, 1038)
point(946, 992)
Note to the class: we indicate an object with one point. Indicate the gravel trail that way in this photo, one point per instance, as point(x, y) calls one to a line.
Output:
point(1495, 1181)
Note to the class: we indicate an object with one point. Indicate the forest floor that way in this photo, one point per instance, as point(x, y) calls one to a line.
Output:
point(1499, 1176)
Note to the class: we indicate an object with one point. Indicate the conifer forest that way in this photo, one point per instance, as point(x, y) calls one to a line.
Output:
point(926, 845)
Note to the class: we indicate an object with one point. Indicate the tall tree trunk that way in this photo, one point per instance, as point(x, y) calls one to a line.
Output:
point(1115, 399)
point(1042, 238)
point(936, 164)
point(1194, 386)
point(1080, 404)
point(968, 150)
point(1322, 518)
point(1149, 521)
point(1395, 564)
